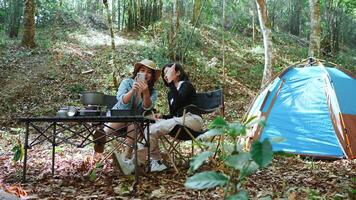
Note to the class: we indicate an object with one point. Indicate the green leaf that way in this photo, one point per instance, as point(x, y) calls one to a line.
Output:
point(248, 120)
point(218, 122)
point(236, 129)
point(93, 175)
point(19, 152)
point(241, 195)
point(99, 165)
point(248, 169)
point(262, 153)
point(238, 161)
point(198, 160)
point(210, 133)
point(206, 180)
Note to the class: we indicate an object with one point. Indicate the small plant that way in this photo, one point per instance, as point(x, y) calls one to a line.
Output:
point(18, 151)
point(238, 162)
point(93, 173)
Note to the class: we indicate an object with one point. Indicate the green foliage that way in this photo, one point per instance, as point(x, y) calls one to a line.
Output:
point(206, 180)
point(18, 151)
point(199, 159)
point(240, 163)
point(262, 152)
point(93, 173)
point(241, 195)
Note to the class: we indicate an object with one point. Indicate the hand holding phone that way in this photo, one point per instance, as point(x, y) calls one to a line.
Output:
point(140, 77)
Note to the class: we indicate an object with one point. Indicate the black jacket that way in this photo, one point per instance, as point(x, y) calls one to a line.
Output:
point(178, 99)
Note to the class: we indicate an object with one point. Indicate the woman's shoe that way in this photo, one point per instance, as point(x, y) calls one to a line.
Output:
point(126, 166)
point(157, 166)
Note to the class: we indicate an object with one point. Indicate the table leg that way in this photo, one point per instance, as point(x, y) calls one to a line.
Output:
point(148, 147)
point(25, 156)
point(136, 158)
point(53, 146)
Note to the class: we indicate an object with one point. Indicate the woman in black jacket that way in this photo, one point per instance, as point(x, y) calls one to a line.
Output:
point(181, 93)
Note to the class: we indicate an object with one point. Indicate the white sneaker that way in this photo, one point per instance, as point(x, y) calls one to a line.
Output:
point(126, 165)
point(157, 166)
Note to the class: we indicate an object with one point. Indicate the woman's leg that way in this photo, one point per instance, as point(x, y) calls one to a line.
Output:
point(157, 130)
point(129, 141)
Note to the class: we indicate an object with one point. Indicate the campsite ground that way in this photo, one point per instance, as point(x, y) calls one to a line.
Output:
point(39, 81)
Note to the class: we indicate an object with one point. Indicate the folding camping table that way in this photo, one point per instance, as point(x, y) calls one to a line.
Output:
point(78, 131)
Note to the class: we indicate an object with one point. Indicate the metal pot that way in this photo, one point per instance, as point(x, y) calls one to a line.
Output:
point(92, 98)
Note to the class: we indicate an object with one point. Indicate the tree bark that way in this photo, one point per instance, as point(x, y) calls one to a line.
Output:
point(28, 39)
point(267, 41)
point(314, 44)
point(110, 24)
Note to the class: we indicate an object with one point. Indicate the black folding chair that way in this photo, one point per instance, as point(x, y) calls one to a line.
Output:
point(204, 103)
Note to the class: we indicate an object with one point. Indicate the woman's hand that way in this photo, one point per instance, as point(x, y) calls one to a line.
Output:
point(135, 87)
point(143, 86)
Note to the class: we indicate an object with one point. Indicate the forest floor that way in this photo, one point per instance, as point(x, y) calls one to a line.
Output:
point(40, 81)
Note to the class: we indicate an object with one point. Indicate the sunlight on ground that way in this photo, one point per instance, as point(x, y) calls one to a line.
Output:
point(96, 38)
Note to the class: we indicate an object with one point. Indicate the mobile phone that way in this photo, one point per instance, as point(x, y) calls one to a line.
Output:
point(141, 76)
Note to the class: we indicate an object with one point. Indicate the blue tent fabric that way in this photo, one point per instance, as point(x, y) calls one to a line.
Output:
point(300, 113)
point(345, 89)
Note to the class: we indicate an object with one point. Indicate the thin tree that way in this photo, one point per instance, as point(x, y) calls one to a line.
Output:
point(28, 39)
point(267, 41)
point(14, 18)
point(314, 44)
point(110, 24)
point(196, 9)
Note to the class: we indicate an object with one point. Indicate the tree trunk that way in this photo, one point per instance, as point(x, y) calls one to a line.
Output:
point(130, 21)
point(223, 38)
point(196, 9)
point(14, 18)
point(314, 44)
point(28, 39)
point(118, 15)
point(110, 24)
point(174, 30)
point(267, 41)
point(113, 11)
point(124, 8)
point(295, 18)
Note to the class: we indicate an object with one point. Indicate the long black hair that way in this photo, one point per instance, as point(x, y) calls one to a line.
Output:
point(182, 75)
point(151, 82)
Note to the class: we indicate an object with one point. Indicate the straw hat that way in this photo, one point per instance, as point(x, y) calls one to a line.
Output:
point(151, 65)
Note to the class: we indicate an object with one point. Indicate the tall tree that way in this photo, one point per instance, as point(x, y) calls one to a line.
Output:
point(110, 24)
point(113, 10)
point(174, 29)
point(267, 41)
point(196, 9)
point(314, 43)
point(14, 18)
point(294, 21)
point(28, 38)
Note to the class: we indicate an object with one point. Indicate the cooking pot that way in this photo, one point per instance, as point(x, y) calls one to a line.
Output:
point(92, 98)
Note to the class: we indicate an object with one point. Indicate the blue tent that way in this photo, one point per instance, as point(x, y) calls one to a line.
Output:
point(313, 110)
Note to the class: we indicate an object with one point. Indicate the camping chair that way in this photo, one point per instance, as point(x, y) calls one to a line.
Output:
point(204, 103)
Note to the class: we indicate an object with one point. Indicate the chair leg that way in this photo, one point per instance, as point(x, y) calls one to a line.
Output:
point(173, 149)
point(170, 157)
